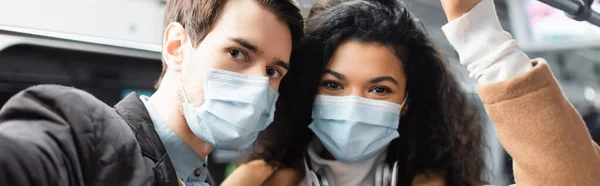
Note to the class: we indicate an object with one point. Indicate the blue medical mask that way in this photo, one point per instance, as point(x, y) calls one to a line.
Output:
point(236, 107)
point(352, 128)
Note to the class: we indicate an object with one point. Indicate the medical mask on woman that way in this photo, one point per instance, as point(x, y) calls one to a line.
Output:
point(353, 128)
point(236, 107)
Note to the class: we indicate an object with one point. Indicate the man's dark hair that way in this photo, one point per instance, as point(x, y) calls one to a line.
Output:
point(441, 131)
point(198, 17)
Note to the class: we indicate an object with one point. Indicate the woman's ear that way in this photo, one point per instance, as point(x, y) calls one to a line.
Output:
point(404, 109)
point(405, 105)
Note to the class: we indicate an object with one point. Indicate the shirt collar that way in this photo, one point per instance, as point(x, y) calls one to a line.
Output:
point(184, 159)
point(340, 173)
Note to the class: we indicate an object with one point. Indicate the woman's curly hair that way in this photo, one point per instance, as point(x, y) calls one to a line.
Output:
point(440, 133)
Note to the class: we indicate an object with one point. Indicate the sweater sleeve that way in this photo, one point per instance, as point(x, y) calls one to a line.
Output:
point(541, 130)
point(490, 53)
point(536, 124)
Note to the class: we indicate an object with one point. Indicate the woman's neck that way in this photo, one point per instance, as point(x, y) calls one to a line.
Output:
point(362, 173)
point(324, 153)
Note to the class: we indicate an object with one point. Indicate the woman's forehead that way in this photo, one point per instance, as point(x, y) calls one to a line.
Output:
point(358, 58)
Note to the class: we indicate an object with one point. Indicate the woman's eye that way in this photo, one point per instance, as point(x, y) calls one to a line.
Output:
point(238, 55)
point(274, 73)
point(331, 85)
point(380, 90)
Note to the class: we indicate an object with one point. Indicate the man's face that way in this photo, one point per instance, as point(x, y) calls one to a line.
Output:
point(246, 39)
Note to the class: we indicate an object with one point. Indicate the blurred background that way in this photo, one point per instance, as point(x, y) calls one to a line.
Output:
point(112, 47)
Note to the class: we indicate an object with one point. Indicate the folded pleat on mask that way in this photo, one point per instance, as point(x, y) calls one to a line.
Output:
point(371, 103)
point(237, 79)
point(241, 88)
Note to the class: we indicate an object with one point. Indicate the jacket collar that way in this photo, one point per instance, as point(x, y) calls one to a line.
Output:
point(132, 110)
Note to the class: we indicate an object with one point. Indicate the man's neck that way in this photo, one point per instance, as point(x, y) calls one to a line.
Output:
point(168, 108)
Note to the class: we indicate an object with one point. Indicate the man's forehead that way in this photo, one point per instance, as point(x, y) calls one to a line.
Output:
point(247, 21)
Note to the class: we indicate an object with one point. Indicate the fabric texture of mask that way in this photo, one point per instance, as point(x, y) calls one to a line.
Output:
point(236, 107)
point(352, 128)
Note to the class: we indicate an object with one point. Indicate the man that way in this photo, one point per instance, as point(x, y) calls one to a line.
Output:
point(223, 62)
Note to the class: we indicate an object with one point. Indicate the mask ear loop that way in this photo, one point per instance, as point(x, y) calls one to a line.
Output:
point(180, 83)
point(404, 102)
point(182, 90)
point(179, 76)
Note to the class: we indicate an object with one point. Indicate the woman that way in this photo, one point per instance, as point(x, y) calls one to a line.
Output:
point(387, 108)
point(537, 126)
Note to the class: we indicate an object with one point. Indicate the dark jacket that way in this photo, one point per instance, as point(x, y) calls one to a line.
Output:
point(55, 135)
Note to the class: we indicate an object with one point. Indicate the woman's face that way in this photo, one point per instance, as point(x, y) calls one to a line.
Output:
point(368, 70)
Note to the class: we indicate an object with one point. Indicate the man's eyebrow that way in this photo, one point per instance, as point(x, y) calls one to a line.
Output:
point(246, 44)
point(384, 78)
point(282, 64)
point(336, 74)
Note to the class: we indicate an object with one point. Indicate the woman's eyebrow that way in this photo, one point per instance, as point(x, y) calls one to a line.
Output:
point(384, 78)
point(336, 74)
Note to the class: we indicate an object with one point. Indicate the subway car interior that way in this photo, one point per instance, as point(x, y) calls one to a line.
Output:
point(80, 51)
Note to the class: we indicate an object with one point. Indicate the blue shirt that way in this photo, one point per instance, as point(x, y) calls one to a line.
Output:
point(185, 160)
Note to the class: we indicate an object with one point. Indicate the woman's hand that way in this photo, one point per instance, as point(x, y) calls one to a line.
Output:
point(456, 8)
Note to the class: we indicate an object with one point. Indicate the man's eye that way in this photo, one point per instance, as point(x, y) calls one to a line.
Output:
point(238, 55)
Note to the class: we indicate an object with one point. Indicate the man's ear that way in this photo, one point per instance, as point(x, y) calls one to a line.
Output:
point(174, 39)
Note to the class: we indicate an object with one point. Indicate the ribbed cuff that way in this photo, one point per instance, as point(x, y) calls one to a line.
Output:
point(476, 33)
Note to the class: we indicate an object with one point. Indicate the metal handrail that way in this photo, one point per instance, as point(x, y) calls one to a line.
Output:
point(577, 9)
point(85, 39)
